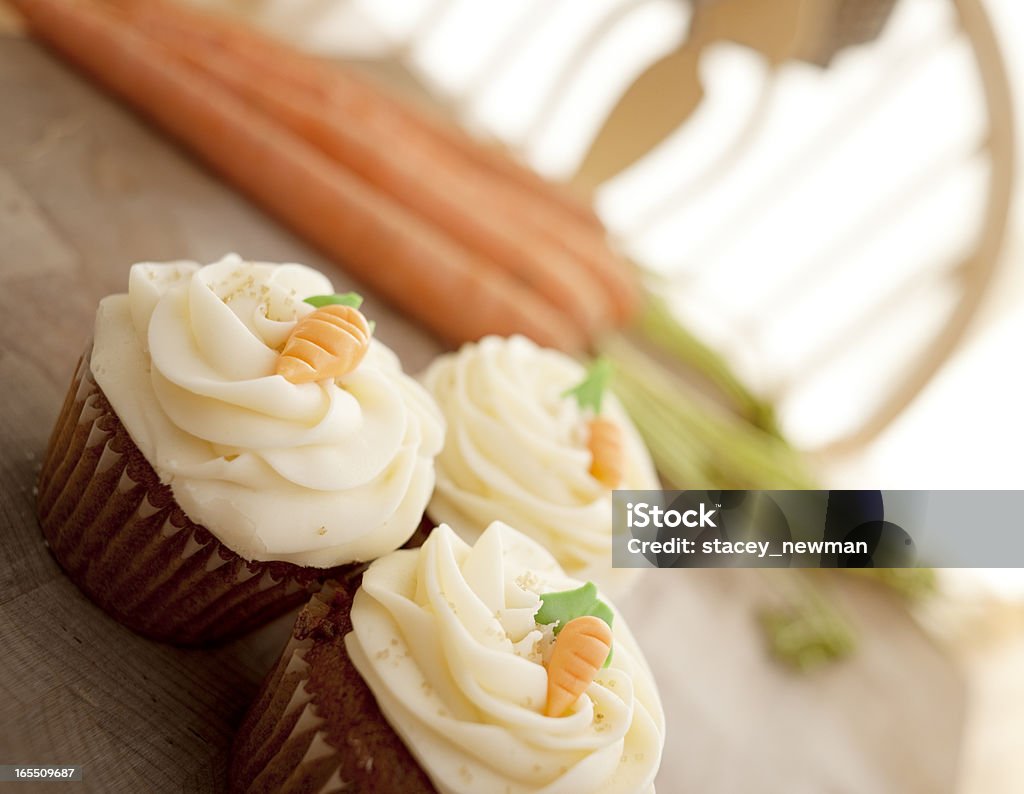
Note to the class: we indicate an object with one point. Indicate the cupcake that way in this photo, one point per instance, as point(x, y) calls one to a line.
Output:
point(456, 668)
point(535, 440)
point(233, 435)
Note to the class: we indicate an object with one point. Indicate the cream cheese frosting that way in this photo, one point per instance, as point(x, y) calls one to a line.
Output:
point(516, 452)
point(316, 474)
point(445, 637)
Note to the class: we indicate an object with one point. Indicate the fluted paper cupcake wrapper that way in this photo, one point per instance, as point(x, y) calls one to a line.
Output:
point(122, 538)
point(288, 742)
point(282, 745)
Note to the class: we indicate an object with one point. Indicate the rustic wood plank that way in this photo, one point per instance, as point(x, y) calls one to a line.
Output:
point(85, 190)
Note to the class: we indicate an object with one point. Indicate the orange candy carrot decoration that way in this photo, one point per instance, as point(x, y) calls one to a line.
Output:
point(580, 650)
point(607, 454)
point(328, 343)
point(604, 437)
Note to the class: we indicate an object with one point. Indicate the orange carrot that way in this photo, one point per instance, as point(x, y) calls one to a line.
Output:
point(580, 650)
point(607, 454)
point(272, 60)
point(435, 193)
point(454, 292)
point(284, 81)
point(327, 343)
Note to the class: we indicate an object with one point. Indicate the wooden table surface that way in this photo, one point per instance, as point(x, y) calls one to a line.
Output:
point(86, 189)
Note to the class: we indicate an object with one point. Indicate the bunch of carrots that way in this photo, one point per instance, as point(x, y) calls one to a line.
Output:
point(455, 233)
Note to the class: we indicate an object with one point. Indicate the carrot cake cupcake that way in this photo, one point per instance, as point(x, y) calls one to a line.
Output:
point(233, 435)
point(537, 441)
point(458, 669)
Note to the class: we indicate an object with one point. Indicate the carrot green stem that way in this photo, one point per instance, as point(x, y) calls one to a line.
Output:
point(695, 442)
point(804, 630)
point(659, 325)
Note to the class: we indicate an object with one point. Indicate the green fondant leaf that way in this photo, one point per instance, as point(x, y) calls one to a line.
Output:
point(590, 391)
point(561, 607)
point(353, 299)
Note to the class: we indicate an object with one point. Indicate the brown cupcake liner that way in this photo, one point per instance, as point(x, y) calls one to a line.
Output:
point(122, 538)
point(315, 727)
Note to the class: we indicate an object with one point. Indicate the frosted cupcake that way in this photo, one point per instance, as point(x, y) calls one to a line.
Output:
point(456, 669)
point(536, 441)
point(233, 436)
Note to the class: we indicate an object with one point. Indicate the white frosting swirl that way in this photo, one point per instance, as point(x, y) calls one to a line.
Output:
point(445, 637)
point(316, 474)
point(516, 452)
